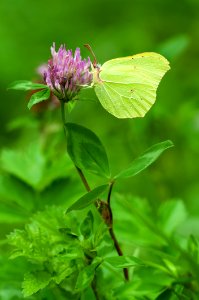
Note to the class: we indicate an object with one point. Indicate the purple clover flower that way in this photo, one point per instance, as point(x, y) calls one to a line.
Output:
point(67, 74)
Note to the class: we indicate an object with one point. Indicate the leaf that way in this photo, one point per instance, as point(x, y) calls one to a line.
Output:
point(124, 261)
point(171, 267)
point(27, 165)
point(10, 214)
point(86, 226)
point(33, 167)
point(175, 46)
point(33, 282)
point(171, 214)
point(64, 271)
point(86, 276)
point(56, 168)
point(38, 97)
point(145, 160)
point(25, 85)
point(88, 198)
point(193, 247)
point(88, 294)
point(13, 191)
point(86, 150)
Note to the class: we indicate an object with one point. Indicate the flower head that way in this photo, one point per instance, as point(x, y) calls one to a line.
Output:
point(67, 74)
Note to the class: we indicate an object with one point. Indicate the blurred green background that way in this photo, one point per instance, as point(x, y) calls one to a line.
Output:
point(113, 29)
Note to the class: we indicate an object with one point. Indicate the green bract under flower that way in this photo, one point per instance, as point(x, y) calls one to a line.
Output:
point(66, 73)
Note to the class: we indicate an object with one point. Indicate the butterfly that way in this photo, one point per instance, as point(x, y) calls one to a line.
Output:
point(126, 87)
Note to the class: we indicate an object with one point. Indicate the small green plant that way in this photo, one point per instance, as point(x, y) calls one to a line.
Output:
point(96, 244)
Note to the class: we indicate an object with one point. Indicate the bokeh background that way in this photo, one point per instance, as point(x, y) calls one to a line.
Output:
point(113, 29)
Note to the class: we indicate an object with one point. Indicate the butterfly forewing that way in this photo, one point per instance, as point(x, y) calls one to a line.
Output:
point(127, 86)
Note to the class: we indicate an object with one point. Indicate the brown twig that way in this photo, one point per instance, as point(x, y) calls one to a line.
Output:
point(83, 179)
point(112, 234)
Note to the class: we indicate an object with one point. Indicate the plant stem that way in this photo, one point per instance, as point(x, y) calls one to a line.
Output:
point(83, 178)
point(94, 288)
point(63, 112)
point(111, 231)
point(103, 208)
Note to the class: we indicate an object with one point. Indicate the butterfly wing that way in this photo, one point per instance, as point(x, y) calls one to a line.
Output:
point(127, 86)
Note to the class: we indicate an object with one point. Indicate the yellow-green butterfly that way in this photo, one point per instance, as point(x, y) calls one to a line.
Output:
point(126, 87)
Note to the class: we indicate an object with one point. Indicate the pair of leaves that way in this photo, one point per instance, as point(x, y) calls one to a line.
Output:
point(37, 97)
point(88, 153)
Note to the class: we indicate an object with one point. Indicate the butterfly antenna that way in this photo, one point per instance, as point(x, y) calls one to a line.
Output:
point(92, 53)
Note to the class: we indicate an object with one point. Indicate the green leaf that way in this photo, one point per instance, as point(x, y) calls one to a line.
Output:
point(193, 247)
point(34, 168)
point(171, 214)
point(33, 282)
point(25, 85)
point(175, 46)
point(88, 198)
point(10, 214)
point(86, 150)
point(15, 192)
point(124, 261)
point(145, 160)
point(171, 267)
point(27, 165)
point(38, 97)
point(86, 226)
point(86, 276)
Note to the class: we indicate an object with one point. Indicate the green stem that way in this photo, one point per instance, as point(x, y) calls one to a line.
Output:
point(63, 115)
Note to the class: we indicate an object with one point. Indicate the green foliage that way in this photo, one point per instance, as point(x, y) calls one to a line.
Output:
point(38, 97)
point(25, 85)
point(58, 252)
point(53, 250)
point(11, 277)
point(171, 215)
point(75, 249)
point(88, 198)
point(86, 227)
point(86, 150)
point(33, 282)
point(160, 246)
point(12, 189)
point(86, 276)
point(66, 254)
point(145, 160)
point(33, 167)
point(192, 247)
point(124, 261)
point(31, 179)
